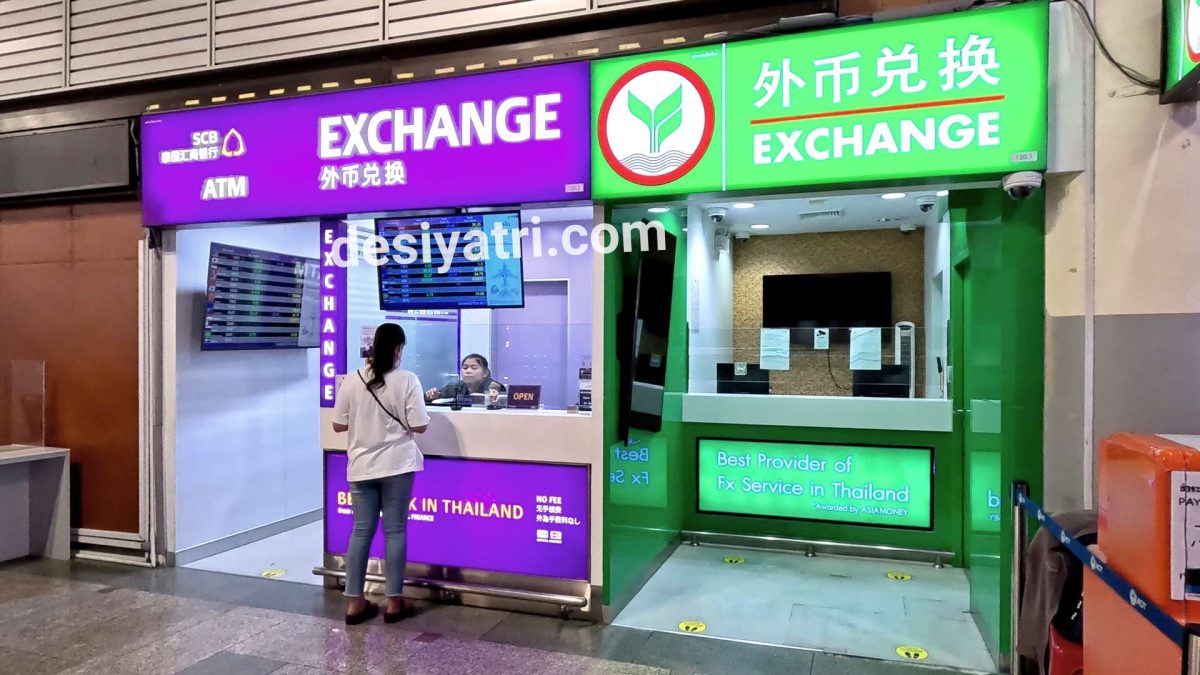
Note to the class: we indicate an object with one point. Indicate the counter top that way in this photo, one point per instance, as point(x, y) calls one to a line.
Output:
point(522, 435)
point(12, 454)
point(507, 412)
point(836, 412)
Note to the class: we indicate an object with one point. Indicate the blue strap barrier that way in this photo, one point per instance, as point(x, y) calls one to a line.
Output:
point(1165, 624)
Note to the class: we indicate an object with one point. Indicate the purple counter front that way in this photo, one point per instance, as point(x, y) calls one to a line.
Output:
point(495, 516)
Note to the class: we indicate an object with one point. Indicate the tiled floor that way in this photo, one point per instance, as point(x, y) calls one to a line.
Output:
point(293, 553)
point(98, 618)
point(832, 604)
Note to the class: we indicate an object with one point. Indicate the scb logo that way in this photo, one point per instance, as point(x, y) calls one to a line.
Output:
point(656, 123)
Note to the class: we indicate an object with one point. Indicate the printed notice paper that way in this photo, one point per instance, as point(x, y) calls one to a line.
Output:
point(821, 338)
point(866, 348)
point(1185, 535)
point(774, 349)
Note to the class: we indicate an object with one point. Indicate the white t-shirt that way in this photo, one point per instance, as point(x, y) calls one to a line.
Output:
point(379, 446)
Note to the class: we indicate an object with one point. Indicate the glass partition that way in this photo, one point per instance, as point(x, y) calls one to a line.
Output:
point(27, 403)
point(906, 362)
point(543, 347)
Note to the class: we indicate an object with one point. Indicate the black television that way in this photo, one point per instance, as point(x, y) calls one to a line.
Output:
point(835, 301)
point(645, 328)
point(472, 278)
point(260, 300)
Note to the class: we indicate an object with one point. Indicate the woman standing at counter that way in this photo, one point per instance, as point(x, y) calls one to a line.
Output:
point(476, 379)
point(383, 409)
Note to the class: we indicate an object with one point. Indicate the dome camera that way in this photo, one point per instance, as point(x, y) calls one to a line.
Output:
point(717, 216)
point(927, 204)
point(1022, 184)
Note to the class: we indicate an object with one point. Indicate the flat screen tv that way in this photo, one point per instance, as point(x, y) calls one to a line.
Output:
point(260, 300)
point(482, 271)
point(834, 301)
point(646, 330)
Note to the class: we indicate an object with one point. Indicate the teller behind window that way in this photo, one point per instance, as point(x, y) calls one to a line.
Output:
point(475, 378)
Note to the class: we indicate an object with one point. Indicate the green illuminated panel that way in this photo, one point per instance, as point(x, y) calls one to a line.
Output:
point(987, 495)
point(637, 474)
point(869, 485)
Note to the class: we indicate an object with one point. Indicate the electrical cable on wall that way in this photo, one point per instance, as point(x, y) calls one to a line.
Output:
point(1133, 75)
point(829, 360)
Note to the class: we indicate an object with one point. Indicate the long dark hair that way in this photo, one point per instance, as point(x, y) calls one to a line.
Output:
point(388, 338)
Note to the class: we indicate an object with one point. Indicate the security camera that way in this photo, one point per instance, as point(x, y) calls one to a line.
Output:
point(717, 216)
point(1022, 184)
point(927, 204)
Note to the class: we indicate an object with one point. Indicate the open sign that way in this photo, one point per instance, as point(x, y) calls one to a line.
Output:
point(524, 395)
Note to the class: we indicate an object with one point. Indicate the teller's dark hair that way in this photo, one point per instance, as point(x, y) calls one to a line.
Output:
point(480, 358)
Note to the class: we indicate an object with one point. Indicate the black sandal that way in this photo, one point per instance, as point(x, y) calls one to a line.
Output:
point(369, 612)
point(406, 610)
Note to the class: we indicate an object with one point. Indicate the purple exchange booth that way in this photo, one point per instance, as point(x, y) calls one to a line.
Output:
point(284, 296)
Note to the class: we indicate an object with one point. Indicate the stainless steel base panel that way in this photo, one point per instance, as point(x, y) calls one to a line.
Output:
point(533, 595)
point(814, 547)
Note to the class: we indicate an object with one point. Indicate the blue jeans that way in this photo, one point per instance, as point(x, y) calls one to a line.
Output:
point(391, 496)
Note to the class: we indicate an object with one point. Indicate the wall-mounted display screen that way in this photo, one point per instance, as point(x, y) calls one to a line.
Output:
point(867, 485)
point(508, 517)
point(835, 301)
point(260, 300)
point(451, 262)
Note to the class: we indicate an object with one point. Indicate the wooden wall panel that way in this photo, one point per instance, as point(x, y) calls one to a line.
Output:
point(826, 253)
point(69, 297)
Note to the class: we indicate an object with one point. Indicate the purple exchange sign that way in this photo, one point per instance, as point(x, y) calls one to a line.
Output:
point(509, 517)
point(499, 138)
point(333, 312)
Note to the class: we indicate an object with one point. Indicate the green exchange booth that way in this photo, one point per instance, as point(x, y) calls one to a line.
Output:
point(835, 364)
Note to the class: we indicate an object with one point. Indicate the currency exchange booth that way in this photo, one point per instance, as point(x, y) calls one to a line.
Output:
point(850, 369)
point(270, 217)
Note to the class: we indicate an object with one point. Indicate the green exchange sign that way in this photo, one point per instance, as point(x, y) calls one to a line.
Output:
point(954, 95)
point(886, 486)
point(1181, 49)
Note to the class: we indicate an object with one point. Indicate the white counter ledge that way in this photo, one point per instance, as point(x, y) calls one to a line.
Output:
point(522, 435)
point(828, 412)
point(35, 498)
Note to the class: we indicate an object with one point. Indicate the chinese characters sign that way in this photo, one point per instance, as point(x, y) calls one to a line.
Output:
point(509, 517)
point(1181, 50)
point(947, 96)
point(499, 138)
